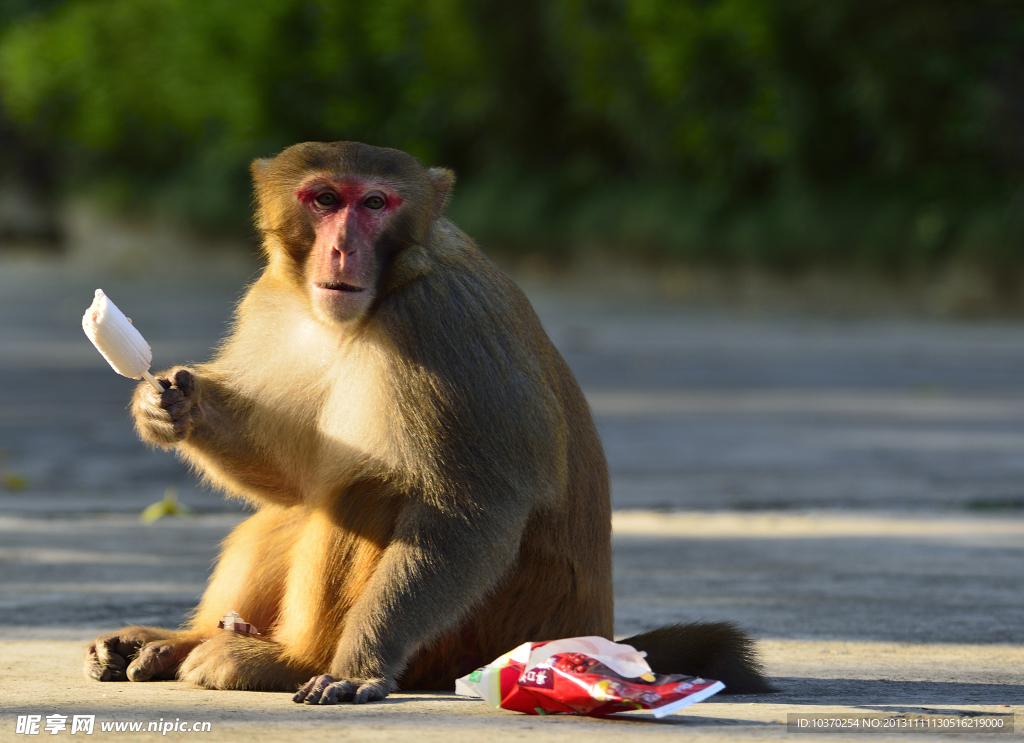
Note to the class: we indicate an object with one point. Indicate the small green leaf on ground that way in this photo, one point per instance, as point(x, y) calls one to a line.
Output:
point(169, 506)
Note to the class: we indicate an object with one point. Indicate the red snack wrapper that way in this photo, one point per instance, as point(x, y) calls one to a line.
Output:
point(582, 675)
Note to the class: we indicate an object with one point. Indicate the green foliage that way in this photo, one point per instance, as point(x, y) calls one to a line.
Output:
point(785, 132)
point(175, 96)
point(9, 480)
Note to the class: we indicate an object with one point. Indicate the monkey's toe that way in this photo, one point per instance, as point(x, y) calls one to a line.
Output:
point(340, 691)
point(158, 659)
point(328, 690)
point(371, 691)
point(356, 691)
point(105, 659)
point(312, 690)
point(111, 668)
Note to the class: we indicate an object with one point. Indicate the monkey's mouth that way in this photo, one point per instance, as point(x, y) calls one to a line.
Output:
point(339, 286)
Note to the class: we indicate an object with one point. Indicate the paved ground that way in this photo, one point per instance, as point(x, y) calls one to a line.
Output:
point(852, 491)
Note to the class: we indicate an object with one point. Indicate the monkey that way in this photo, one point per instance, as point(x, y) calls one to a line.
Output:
point(428, 485)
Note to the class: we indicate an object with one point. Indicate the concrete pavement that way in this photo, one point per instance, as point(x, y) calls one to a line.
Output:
point(850, 490)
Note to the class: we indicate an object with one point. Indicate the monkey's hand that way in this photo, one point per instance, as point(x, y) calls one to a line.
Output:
point(168, 418)
point(137, 654)
point(329, 690)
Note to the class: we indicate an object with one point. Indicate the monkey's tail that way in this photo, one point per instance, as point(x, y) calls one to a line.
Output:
point(714, 650)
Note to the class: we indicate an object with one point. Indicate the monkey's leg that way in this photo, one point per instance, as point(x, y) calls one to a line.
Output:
point(231, 660)
point(439, 564)
point(248, 579)
point(321, 566)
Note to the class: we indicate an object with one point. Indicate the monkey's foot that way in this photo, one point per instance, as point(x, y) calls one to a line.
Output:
point(160, 659)
point(329, 690)
point(107, 658)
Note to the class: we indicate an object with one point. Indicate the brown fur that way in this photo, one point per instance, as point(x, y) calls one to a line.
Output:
point(430, 490)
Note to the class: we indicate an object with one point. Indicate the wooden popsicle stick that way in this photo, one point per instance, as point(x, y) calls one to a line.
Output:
point(152, 380)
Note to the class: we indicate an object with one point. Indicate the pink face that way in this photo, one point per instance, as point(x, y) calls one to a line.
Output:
point(349, 216)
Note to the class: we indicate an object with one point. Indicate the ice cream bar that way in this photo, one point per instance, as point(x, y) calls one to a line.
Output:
point(116, 338)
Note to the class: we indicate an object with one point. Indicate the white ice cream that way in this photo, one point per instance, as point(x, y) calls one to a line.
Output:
point(116, 338)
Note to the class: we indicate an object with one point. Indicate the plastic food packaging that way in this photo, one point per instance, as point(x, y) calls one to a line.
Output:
point(233, 622)
point(582, 675)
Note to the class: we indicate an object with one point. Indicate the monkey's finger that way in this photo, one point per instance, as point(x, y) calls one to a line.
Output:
point(322, 684)
point(170, 397)
point(300, 695)
point(371, 691)
point(313, 689)
point(103, 665)
point(181, 425)
point(340, 691)
point(99, 671)
point(108, 656)
point(184, 381)
point(179, 408)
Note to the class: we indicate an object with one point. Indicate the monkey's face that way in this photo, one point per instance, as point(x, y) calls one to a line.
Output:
point(348, 216)
point(339, 219)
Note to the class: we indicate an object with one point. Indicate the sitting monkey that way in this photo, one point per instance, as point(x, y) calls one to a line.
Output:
point(429, 487)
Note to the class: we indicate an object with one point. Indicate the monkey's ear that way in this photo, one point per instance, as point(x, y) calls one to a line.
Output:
point(259, 168)
point(443, 180)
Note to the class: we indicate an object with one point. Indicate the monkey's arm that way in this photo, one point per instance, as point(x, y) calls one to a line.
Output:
point(439, 565)
point(210, 426)
point(487, 438)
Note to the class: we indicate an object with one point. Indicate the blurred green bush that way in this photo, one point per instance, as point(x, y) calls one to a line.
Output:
point(783, 133)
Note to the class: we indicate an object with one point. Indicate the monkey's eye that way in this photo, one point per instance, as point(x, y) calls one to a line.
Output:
point(326, 199)
point(374, 202)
